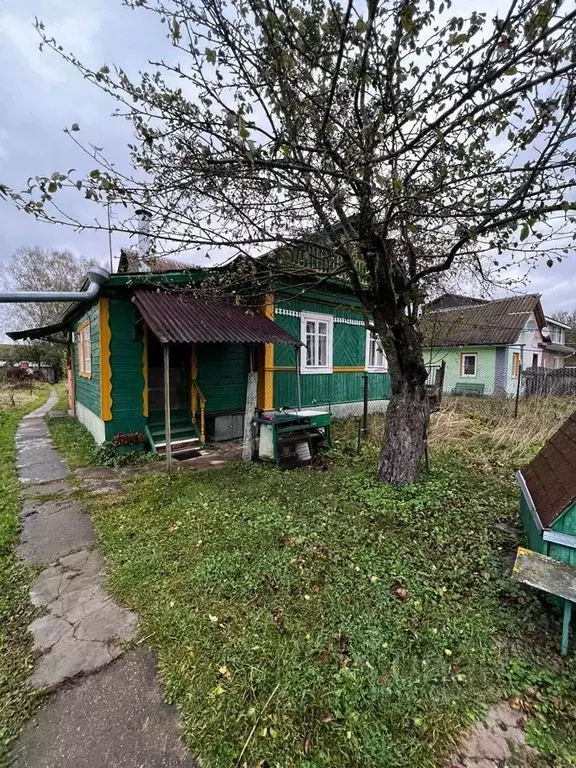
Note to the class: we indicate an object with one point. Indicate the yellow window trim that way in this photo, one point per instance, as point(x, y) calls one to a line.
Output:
point(515, 364)
point(82, 372)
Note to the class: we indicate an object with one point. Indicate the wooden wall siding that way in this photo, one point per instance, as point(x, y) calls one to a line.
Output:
point(105, 367)
point(564, 524)
point(349, 352)
point(222, 375)
point(126, 350)
point(88, 389)
point(328, 388)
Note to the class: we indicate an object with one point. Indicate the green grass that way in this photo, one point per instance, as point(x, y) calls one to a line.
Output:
point(16, 701)
point(320, 619)
point(62, 393)
point(380, 621)
point(74, 440)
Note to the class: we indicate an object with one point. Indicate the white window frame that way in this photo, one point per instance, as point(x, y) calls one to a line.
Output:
point(84, 350)
point(374, 368)
point(463, 356)
point(316, 317)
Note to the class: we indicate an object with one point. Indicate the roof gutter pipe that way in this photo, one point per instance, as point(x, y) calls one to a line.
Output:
point(97, 277)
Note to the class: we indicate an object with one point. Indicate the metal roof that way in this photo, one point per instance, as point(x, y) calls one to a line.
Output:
point(495, 322)
point(181, 318)
point(37, 333)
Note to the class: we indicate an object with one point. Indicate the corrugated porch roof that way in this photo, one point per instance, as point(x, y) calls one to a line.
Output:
point(178, 317)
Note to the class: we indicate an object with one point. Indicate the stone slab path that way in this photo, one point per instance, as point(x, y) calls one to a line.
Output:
point(107, 708)
point(496, 741)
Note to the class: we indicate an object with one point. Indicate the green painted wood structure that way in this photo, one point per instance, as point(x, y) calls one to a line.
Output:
point(548, 500)
point(120, 394)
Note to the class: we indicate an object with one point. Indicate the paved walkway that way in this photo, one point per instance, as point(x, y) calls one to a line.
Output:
point(497, 741)
point(106, 709)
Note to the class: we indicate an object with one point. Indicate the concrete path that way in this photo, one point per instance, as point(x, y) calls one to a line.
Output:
point(116, 717)
point(497, 741)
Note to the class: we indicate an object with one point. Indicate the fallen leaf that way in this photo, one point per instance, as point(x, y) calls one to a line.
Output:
point(224, 671)
point(307, 744)
point(398, 590)
point(213, 619)
point(218, 691)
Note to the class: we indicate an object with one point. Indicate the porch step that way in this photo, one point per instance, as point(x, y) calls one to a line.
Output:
point(184, 434)
point(178, 446)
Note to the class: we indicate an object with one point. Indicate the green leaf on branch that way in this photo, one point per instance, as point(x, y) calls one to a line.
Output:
point(75, 127)
point(525, 232)
point(459, 39)
point(95, 174)
point(210, 56)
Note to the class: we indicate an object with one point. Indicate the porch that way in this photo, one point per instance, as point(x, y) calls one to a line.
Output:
point(197, 357)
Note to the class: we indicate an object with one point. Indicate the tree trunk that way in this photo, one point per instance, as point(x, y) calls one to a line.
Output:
point(404, 439)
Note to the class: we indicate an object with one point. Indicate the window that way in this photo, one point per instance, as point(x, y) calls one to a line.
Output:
point(468, 365)
point(316, 333)
point(515, 364)
point(84, 350)
point(535, 361)
point(375, 357)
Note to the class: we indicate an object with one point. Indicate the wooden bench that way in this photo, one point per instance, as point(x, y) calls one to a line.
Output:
point(550, 576)
point(468, 388)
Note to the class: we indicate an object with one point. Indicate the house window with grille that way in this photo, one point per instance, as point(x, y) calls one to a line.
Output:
point(468, 365)
point(84, 350)
point(375, 357)
point(316, 331)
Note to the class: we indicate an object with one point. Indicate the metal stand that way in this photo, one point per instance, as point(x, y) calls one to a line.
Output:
point(167, 425)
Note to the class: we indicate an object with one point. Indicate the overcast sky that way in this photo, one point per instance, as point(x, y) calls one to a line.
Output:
point(41, 95)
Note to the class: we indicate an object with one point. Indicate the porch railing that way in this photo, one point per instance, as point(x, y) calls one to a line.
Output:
point(198, 398)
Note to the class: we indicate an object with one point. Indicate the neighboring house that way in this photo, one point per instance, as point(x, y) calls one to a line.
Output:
point(556, 352)
point(309, 346)
point(485, 344)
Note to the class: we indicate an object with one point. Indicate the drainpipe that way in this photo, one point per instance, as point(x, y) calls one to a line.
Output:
point(97, 277)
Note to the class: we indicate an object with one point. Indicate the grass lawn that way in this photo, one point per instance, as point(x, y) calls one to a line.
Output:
point(16, 701)
point(316, 619)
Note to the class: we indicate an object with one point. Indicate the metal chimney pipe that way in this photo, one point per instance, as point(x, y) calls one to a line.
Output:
point(97, 277)
point(144, 217)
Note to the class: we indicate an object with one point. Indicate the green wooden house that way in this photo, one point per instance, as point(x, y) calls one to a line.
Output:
point(548, 496)
point(309, 346)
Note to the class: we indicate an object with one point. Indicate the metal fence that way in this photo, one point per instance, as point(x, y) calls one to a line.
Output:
point(553, 382)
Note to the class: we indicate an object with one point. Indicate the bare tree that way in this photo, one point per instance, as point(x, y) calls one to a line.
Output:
point(418, 142)
point(39, 269)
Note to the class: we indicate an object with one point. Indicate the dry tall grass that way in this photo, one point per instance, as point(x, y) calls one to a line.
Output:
point(485, 428)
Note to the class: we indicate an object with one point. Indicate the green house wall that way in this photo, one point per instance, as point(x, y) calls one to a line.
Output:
point(87, 390)
point(349, 350)
point(564, 524)
point(485, 367)
point(223, 375)
point(126, 348)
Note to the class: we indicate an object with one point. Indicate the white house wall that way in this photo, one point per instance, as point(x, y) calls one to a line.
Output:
point(93, 423)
